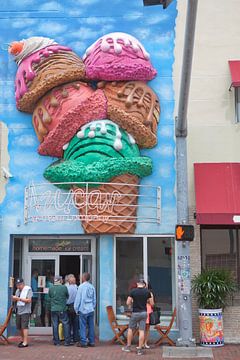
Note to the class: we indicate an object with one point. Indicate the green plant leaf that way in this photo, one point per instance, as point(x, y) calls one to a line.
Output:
point(212, 288)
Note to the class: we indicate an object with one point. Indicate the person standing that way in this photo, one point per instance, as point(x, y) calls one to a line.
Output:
point(73, 318)
point(84, 305)
point(138, 299)
point(58, 295)
point(149, 311)
point(23, 299)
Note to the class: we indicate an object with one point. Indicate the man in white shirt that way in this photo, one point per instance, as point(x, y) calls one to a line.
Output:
point(23, 297)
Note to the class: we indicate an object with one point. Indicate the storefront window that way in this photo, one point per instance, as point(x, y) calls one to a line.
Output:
point(151, 257)
point(43, 272)
point(220, 250)
point(160, 257)
point(129, 265)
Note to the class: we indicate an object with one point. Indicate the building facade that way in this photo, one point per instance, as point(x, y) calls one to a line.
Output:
point(213, 145)
point(42, 231)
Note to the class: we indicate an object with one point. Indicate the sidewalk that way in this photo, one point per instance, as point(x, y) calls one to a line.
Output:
point(41, 348)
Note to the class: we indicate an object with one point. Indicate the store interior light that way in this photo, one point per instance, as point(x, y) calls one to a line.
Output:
point(164, 3)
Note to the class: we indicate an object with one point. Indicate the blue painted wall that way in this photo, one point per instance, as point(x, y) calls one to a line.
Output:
point(106, 280)
point(78, 23)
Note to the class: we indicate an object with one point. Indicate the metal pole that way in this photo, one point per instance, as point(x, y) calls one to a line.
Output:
point(181, 125)
point(183, 248)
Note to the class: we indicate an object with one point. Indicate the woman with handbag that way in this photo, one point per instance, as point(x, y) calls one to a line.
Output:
point(149, 311)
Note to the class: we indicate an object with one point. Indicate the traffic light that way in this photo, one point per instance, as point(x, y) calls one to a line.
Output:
point(184, 232)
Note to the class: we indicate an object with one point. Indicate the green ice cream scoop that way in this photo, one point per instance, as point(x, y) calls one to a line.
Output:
point(97, 153)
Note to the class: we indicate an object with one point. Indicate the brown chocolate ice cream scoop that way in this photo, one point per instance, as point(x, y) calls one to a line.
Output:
point(135, 107)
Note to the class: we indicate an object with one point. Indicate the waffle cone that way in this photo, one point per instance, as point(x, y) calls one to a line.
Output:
point(112, 202)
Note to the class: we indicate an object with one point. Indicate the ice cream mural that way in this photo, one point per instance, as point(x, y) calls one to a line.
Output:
point(94, 115)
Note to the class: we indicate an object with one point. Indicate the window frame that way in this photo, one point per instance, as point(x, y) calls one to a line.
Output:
point(222, 227)
point(145, 262)
point(237, 104)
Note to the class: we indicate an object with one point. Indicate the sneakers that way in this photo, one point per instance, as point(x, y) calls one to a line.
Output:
point(22, 345)
point(126, 349)
point(144, 347)
point(140, 352)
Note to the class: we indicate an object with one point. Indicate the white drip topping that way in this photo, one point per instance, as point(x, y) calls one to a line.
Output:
point(65, 146)
point(80, 134)
point(110, 41)
point(103, 129)
point(33, 44)
point(91, 134)
point(101, 125)
point(118, 142)
point(131, 139)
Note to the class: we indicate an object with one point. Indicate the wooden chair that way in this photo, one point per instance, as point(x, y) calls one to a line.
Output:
point(4, 326)
point(165, 330)
point(117, 329)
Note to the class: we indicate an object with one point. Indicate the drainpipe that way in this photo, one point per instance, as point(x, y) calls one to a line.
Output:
point(184, 301)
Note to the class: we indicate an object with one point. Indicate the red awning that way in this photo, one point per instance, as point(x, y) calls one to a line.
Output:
point(217, 190)
point(235, 72)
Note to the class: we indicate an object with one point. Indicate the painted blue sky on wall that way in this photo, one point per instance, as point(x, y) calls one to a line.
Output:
point(78, 24)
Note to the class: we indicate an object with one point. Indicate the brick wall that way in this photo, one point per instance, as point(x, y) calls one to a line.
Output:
point(231, 316)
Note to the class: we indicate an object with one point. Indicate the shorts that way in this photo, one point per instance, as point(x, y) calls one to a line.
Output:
point(138, 320)
point(22, 321)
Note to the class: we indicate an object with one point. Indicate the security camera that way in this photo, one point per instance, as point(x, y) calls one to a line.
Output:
point(6, 173)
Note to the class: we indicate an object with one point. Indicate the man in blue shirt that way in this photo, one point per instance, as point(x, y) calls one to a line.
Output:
point(73, 318)
point(84, 305)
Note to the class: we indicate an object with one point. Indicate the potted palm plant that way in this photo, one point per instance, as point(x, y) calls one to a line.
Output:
point(212, 288)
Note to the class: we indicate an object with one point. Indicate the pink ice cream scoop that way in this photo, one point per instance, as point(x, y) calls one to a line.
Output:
point(118, 56)
point(62, 111)
point(42, 65)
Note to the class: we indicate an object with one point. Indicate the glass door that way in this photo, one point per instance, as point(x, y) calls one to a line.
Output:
point(86, 262)
point(70, 264)
point(41, 272)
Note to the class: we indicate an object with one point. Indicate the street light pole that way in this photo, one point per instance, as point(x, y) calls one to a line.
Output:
point(183, 248)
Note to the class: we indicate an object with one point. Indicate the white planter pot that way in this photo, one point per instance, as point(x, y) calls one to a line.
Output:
point(211, 327)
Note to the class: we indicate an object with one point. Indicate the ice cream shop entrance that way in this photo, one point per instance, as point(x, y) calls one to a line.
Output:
point(39, 259)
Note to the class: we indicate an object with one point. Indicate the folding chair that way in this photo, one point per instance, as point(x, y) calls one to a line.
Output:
point(165, 330)
point(4, 326)
point(117, 329)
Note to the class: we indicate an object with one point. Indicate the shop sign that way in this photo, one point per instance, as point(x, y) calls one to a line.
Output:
point(56, 245)
point(50, 205)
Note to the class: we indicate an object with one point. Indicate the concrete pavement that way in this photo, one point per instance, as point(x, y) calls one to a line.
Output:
point(41, 348)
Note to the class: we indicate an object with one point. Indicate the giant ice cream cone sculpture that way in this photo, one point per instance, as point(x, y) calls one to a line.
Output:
point(95, 132)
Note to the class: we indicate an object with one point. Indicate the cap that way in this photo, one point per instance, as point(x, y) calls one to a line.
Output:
point(141, 280)
point(57, 279)
point(19, 281)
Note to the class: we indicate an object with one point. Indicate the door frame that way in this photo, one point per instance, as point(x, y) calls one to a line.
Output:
point(46, 255)
point(27, 258)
